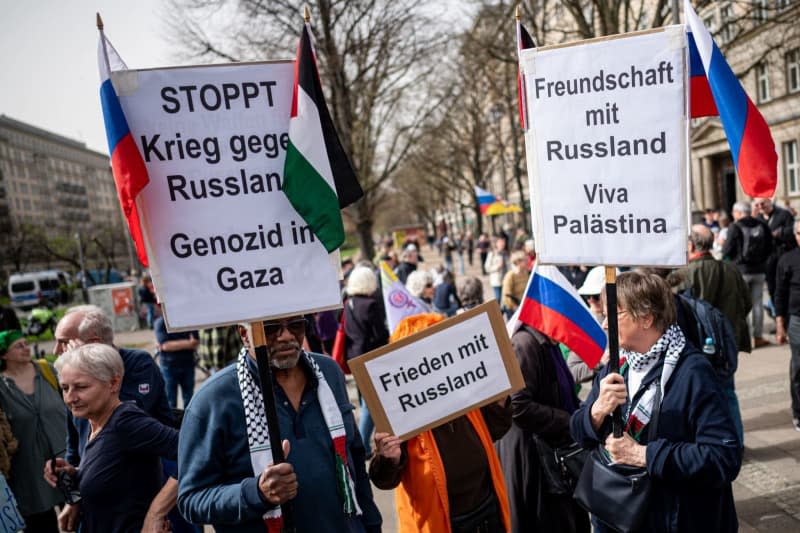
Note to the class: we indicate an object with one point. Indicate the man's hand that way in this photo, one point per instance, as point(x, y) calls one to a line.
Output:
point(388, 446)
point(626, 451)
point(68, 517)
point(278, 483)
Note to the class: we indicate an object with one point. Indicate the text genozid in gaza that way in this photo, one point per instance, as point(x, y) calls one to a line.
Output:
point(215, 152)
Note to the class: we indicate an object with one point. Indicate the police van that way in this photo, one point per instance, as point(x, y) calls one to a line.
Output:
point(35, 288)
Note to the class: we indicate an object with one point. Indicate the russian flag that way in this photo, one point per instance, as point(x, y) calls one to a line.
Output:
point(553, 306)
point(715, 90)
point(485, 199)
point(524, 41)
point(127, 165)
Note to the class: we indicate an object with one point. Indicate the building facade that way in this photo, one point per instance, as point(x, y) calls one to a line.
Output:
point(761, 42)
point(54, 183)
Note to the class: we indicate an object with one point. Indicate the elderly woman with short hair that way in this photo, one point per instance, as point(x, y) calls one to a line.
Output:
point(693, 456)
point(120, 472)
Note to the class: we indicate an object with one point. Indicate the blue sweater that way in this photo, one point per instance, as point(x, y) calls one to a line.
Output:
point(217, 484)
point(694, 458)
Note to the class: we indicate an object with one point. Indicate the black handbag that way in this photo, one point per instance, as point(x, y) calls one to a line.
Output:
point(560, 467)
point(618, 495)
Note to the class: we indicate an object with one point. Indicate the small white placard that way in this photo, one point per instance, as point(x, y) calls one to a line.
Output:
point(462, 364)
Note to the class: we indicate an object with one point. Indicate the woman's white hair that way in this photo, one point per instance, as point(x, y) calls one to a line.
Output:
point(100, 361)
point(417, 281)
point(362, 282)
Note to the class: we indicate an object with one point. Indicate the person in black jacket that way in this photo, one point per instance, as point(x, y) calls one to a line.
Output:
point(746, 234)
point(694, 457)
point(787, 318)
point(781, 224)
point(365, 327)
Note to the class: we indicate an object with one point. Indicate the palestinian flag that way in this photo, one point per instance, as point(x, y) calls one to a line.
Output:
point(318, 178)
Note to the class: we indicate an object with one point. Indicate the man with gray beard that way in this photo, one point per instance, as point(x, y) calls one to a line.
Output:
point(226, 475)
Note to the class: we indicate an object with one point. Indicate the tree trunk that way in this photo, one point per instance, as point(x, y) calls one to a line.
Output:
point(364, 233)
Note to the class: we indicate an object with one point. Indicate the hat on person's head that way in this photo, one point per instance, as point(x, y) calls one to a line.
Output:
point(411, 247)
point(7, 338)
point(594, 283)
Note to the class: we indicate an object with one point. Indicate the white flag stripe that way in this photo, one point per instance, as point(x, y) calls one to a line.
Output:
point(305, 132)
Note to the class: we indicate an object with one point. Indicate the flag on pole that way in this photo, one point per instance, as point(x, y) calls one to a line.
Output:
point(127, 165)
point(553, 306)
point(399, 303)
point(485, 199)
point(524, 41)
point(716, 91)
point(318, 178)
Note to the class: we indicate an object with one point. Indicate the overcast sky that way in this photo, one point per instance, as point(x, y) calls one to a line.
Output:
point(48, 59)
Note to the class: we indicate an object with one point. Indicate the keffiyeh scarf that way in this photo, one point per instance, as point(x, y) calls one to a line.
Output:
point(670, 344)
point(258, 435)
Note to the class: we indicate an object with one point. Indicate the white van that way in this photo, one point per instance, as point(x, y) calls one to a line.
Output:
point(34, 288)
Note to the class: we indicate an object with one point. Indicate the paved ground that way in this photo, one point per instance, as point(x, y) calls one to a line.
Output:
point(767, 490)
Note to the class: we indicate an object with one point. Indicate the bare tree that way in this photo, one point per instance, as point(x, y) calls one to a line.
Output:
point(375, 57)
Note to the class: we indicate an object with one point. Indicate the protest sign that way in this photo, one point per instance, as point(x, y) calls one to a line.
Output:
point(224, 243)
point(607, 149)
point(439, 374)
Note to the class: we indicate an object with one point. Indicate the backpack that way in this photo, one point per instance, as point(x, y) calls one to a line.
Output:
point(711, 323)
point(755, 244)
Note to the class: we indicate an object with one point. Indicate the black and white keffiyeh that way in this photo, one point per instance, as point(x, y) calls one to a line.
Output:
point(670, 345)
point(258, 434)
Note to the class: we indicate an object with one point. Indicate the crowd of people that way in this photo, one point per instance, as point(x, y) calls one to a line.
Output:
point(99, 433)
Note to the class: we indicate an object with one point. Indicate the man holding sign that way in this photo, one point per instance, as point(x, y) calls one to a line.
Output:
point(227, 478)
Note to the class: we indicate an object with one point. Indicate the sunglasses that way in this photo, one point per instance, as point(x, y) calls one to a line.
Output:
point(295, 327)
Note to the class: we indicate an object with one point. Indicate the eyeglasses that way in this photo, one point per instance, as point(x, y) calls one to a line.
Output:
point(295, 327)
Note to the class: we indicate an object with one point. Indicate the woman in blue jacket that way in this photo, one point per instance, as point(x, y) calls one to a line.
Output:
point(694, 456)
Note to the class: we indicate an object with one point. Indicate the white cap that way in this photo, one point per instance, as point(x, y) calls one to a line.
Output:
point(594, 283)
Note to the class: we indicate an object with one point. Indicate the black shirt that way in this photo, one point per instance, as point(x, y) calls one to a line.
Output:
point(787, 284)
point(120, 471)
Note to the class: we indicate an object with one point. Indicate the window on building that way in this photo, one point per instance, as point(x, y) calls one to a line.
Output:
point(760, 8)
point(791, 167)
point(710, 22)
point(726, 23)
point(762, 82)
point(783, 4)
point(793, 70)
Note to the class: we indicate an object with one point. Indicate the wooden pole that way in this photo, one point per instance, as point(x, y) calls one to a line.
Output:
point(268, 395)
point(613, 339)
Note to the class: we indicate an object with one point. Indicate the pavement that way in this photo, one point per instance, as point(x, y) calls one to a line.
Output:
point(767, 490)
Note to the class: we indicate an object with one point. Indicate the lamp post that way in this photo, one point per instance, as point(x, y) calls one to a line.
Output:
point(84, 293)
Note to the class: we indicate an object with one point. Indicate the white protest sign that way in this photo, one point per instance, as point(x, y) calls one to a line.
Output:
point(439, 374)
point(224, 243)
point(607, 149)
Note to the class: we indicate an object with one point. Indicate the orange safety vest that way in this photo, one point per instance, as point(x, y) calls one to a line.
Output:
point(421, 497)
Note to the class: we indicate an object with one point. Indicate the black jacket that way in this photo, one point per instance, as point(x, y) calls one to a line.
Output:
point(735, 242)
point(364, 325)
point(695, 455)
